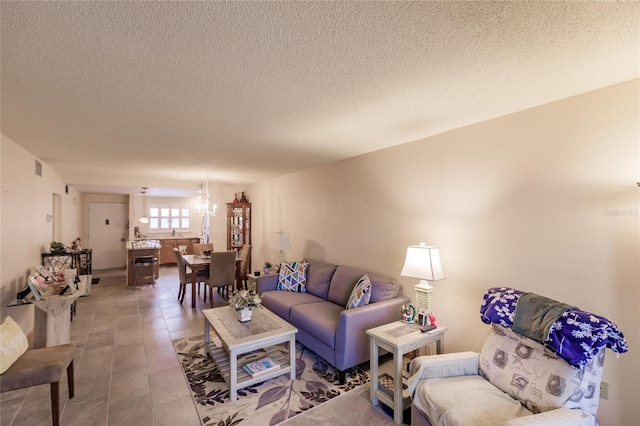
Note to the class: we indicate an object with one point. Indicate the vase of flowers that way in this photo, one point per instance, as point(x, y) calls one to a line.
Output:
point(243, 302)
point(267, 267)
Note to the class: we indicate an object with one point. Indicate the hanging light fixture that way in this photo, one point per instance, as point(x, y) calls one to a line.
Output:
point(206, 208)
point(144, 218)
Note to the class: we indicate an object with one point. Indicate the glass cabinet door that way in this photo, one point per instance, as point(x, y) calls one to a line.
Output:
point(238, 225)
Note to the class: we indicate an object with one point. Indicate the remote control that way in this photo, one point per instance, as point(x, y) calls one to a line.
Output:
point(427, 328)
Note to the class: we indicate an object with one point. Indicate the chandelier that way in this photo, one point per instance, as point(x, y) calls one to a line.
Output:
point(205, 208)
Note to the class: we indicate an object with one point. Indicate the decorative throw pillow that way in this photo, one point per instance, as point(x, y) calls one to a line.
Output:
point(13, 343)
point(361, 293)
point(293, 276)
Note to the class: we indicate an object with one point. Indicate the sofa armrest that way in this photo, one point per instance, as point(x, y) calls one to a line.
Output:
point(559, 416)
point(266, 283)
point(438, 366)
point(352, 341)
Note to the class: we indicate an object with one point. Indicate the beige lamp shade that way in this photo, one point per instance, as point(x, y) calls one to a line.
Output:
point(423, 262)
point(282, 243)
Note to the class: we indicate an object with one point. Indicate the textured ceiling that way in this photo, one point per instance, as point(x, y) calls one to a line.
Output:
point(166, 93)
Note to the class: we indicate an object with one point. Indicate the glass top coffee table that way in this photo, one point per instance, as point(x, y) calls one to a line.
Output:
point(237, 338)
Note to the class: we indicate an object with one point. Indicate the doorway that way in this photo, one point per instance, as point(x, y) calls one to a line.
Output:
point(107, 234)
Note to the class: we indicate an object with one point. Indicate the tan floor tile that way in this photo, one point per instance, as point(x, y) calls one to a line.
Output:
point(156, 339)
point(168, 385)
point(180, 412)
point(136, 411)
point(129, 356)
point(163, 358)
point(82, 412)
point(128, 337)
point(129, 383)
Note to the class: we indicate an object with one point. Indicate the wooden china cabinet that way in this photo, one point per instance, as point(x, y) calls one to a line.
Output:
point(238, 225)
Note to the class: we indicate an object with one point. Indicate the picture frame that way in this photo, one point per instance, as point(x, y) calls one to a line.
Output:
point(34, 287)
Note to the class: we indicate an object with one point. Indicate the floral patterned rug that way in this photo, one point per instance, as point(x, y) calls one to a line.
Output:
point(270, 402)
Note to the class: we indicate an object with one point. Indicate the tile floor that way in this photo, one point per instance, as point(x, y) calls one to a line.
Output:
point(126, 371)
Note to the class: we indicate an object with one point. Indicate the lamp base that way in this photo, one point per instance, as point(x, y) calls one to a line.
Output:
point(424, 292)
point(282, 257)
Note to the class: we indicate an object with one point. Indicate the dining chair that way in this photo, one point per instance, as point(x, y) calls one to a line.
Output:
point(222, 272)
point(144, 261)
point(198, 248)
point(184, 276)
point(245, 264)
point(25, 368)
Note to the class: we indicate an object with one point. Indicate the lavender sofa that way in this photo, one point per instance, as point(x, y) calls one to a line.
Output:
point(324, 324)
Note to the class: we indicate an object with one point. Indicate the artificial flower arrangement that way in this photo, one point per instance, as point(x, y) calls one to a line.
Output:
point(244, 299)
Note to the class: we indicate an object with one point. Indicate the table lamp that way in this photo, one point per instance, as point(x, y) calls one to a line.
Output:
point(282, 243)
point(423, 261)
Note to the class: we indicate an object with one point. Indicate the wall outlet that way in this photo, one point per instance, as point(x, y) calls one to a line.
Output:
point(604, 390)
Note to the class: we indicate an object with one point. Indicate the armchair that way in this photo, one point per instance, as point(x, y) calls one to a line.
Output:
point(515, 380)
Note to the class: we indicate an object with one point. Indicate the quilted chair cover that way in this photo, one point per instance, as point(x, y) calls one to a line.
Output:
point(516, 380)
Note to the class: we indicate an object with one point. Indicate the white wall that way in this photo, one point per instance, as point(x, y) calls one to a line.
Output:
point(544, 200)
point(26, 200)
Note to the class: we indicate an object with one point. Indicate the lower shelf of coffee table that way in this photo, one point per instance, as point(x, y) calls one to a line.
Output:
point(222, 361)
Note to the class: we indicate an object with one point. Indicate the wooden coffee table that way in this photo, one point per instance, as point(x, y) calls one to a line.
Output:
point(263, 331)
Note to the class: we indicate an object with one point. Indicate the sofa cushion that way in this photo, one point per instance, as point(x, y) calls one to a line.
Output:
point(465, 400)
point(318, 319)
point(527, 371)
point(383, 288)
point(13, 343)
point(345, 278)
point(361, 293)
point(281, 301)
point(293, 276)
point(319, 277)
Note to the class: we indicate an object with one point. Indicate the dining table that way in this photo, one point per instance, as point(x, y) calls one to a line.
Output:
point(197, 263)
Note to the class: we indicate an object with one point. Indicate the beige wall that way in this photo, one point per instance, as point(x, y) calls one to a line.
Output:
point(544, 200)
point(26, 200)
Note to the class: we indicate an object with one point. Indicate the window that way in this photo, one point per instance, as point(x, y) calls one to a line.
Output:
point(169, 217)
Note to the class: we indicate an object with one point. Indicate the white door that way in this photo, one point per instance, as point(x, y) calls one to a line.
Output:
point(107, 222)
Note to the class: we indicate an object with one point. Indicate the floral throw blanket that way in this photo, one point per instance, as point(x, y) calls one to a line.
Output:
point(576, 336)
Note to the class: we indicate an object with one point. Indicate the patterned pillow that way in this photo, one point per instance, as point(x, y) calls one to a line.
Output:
point(528, 372)
point(361, 293)
point(13, 343)
point(293, 276)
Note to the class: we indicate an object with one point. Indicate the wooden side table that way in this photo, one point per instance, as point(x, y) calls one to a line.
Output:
point(398, 338)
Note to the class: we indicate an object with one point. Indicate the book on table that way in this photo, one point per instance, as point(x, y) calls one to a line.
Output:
point(261, 366)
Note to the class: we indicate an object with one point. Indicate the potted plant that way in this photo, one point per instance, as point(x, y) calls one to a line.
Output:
point(57, 247)
point(243, 302)
point(267, 267)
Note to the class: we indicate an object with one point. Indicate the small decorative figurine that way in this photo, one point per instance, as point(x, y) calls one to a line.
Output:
point(408, 313)
point(432, 319)
point(75, 245)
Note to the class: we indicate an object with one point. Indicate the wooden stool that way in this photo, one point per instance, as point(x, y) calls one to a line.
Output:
point(39, 366)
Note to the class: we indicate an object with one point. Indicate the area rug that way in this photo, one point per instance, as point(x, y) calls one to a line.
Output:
point(267, 403)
